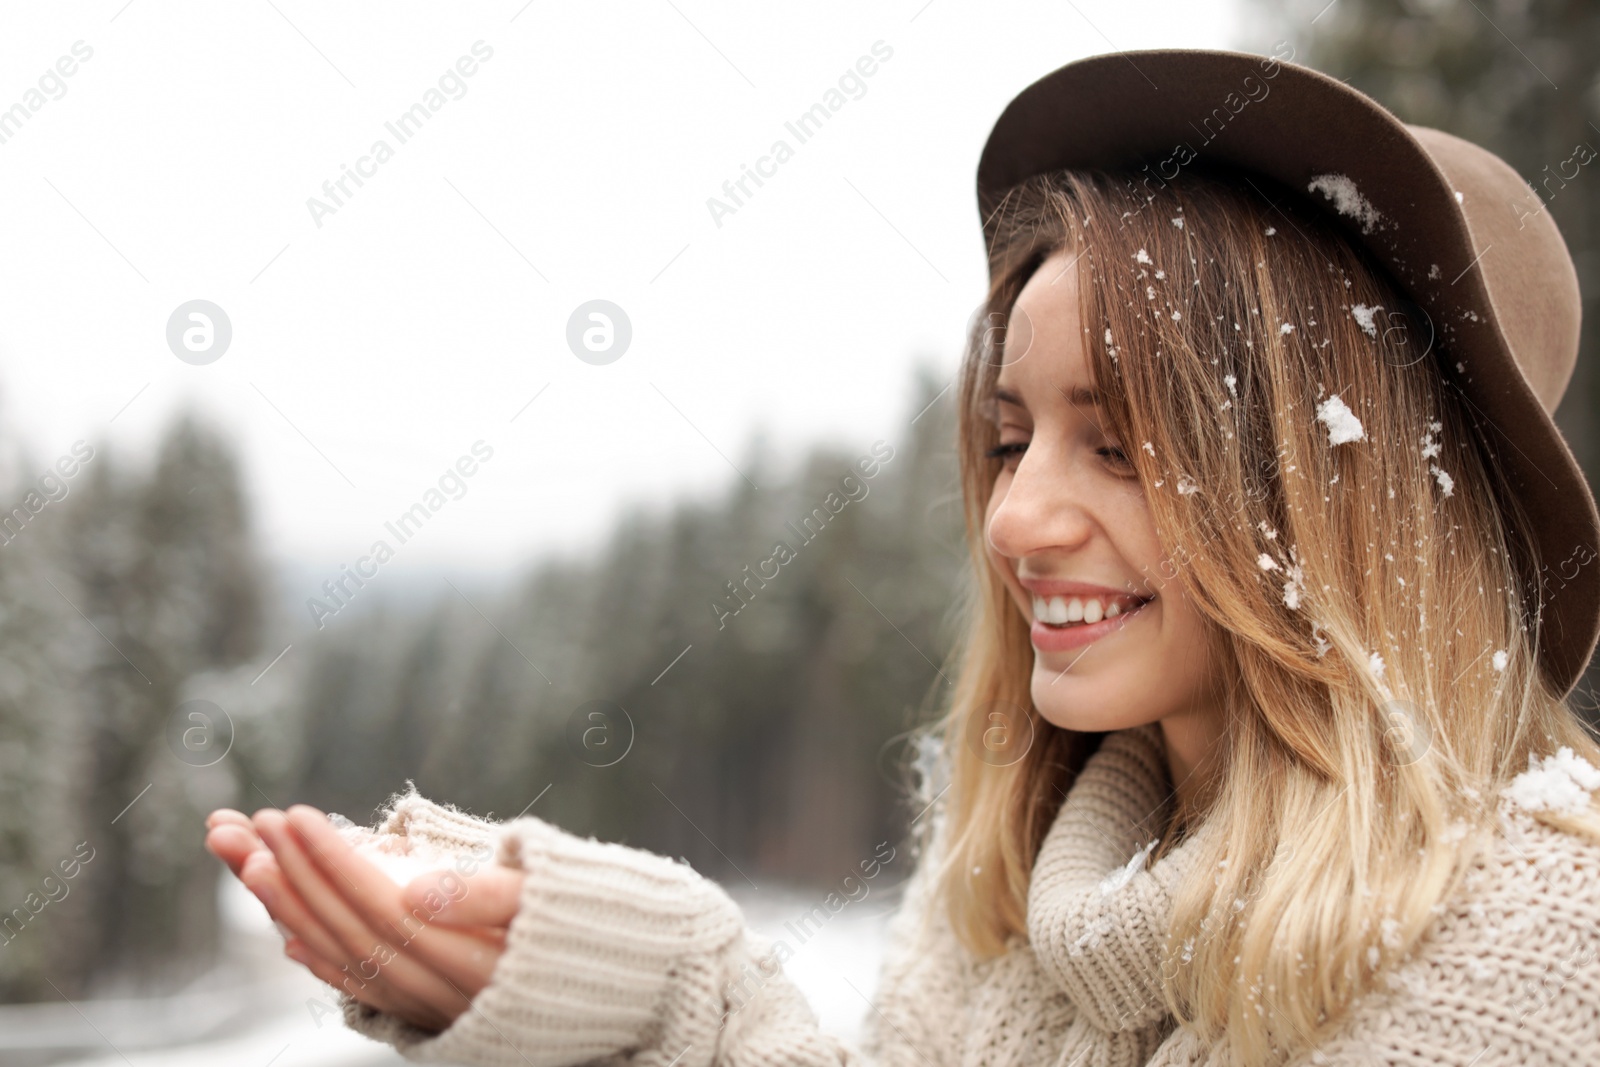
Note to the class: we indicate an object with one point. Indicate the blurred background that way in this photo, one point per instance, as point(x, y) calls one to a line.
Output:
point(318, 476)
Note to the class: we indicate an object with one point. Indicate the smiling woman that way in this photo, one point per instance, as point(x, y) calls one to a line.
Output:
point(1294, 607)
point(1067, 517)
point(1258, 748)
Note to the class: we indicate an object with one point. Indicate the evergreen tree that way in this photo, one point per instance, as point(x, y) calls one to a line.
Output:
point(164, 573)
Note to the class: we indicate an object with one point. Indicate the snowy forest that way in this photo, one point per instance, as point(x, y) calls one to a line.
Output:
point(664, 689)
point(657, 690)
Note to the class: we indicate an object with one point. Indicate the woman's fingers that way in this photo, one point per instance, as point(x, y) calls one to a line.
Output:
point(231, 838)
point(463, 959)
point(233, 844)
point(347, 922)
point(262, 876)
point(370, 994)
point(368, 956)
point(227, 815)
point(490, 897)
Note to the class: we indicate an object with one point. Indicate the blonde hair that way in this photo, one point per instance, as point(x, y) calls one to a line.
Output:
point(1385, 683)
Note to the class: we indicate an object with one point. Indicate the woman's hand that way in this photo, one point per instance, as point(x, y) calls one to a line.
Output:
point(420, 952)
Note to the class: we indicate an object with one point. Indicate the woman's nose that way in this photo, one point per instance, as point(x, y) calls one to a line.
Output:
point(1041, 509)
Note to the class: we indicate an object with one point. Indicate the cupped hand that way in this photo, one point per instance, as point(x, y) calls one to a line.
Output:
point(420, 952)
point(231, 837)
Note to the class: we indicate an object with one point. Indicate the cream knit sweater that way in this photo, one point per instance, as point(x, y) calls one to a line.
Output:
point(619, 956)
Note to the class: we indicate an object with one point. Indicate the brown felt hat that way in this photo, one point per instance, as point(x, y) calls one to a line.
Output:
point(1459, 230)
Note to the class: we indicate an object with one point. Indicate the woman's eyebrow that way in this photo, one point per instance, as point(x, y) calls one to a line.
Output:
point(1084, 400)
point(990, 406)
point(1080, 396)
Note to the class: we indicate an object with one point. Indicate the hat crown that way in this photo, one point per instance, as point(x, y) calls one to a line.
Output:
point(1527, 271)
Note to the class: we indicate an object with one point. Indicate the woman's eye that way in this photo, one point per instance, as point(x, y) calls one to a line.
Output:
point(1007, 452)
point(1117, 457)
point(1013, 450)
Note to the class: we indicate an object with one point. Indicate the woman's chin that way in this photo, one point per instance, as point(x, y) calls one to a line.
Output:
point(1088, 705)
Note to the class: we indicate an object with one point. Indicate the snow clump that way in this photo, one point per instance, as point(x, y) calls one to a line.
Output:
point(1343, 426)
point(1347, 199)
point(1363, 316)
point(1560, 783)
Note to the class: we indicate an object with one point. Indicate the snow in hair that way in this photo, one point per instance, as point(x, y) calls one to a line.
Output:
point(1343, 426)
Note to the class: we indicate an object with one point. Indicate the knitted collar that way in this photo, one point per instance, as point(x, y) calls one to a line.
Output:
point(1098, 911)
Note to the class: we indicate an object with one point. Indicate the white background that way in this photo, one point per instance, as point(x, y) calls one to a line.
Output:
point(179, 162)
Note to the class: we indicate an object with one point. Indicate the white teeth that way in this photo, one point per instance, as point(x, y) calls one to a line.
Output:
point(1059, 611)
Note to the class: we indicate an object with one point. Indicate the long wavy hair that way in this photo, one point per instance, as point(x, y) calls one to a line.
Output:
point(1374, 599)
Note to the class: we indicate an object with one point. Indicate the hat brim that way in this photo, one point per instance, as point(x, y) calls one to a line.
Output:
point(1150, 111)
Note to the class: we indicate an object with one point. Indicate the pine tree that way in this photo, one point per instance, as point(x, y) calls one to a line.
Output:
point(164, 573)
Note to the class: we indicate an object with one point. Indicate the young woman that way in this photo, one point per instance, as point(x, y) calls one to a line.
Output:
point(1261, 750)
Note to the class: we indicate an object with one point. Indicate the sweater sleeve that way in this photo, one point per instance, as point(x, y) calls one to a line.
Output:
point(621, 956)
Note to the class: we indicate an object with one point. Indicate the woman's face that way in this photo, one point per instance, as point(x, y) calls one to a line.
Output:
point(1116, 641)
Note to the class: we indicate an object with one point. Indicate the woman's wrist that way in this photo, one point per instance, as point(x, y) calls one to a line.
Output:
point(601, 934)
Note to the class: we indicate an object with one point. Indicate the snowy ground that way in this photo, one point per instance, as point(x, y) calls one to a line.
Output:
point(836, 955)
point(271, 1013)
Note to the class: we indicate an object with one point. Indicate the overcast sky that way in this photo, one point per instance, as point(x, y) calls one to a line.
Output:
point(377, 336)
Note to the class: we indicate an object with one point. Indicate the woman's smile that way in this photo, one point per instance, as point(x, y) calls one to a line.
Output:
point(1061, 624)
point(1069, 615)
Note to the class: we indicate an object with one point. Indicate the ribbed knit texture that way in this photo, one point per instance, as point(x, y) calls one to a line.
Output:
point(1097, 913)
point(620, 956)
